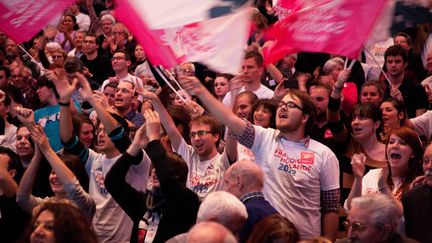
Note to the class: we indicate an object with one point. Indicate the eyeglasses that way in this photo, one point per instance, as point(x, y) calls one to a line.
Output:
point(118, 33)
point(355, 226)
point(200, 133)
point(57, 57)
point(289, 105)
point(118, 58)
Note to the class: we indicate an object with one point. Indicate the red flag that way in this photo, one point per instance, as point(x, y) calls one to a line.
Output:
point(212, 32)
point(22, 19)
point(332, 26)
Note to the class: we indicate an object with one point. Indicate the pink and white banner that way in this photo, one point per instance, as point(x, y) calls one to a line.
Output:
point(22, 19)
point(332, 26)
point(213, 32)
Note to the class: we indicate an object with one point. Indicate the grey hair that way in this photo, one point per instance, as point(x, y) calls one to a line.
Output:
point(217, 229)
point(222, 206)
point(332, 63)
point(380, 208)
point(252, 174)
point(109, 17)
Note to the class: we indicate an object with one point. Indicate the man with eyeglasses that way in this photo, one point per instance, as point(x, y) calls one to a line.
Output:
point(99, 66)
point(302, 174)
point(417, 204)
point(206, 165)
point(373, 219)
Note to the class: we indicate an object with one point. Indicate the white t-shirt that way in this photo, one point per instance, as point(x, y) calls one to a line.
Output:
point(370, 184)
point(83, 21)
point(423, 124)
point(296, 175)
point(203, 176)
point(111, 223)
point(262, 92)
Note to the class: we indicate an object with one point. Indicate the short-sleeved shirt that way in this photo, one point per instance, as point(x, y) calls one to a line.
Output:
point(203, 176)
point(296, 174)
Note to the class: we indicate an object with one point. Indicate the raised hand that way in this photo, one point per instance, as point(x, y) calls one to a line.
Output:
point(152, 125)
point(85, 91)
point(194, 109)
point(358, 166)
point(64, 88)
point(342, 78)
point(39, 137)
point(191, 84)
point(146, 94)
point(101, 99)
point(396, 94)
point(25, 116)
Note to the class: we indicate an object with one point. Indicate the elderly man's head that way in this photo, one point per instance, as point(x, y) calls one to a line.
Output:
point(224, 208)
point(210, 232)
point(372, 218)
point(243, 177)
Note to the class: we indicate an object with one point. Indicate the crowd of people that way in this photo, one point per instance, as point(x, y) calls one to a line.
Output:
point(96, 146)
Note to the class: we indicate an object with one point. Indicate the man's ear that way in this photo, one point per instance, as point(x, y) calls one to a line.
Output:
point(12, 173)
point(305, 118)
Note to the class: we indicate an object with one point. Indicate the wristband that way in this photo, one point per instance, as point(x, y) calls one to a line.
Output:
point(63, 103)
point(334, 104)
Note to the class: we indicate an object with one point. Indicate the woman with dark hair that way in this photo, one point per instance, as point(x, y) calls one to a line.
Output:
point(274, 228)
point(393, 115)
point(222, 85)
point(363, 138)
point(264, 113)
point(66, 34)
point(63, 181)
point(404, 152)
point(60, 223)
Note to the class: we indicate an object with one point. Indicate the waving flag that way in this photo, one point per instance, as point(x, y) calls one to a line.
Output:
point(22, 19)
point(332, 26)
point(213, 32)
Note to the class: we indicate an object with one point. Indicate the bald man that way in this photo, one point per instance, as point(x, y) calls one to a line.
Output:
point(210, 232)
point(245, 180)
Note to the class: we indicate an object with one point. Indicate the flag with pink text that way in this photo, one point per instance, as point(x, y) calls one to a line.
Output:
point(22, 19)
point(333, 26)
point(212, 32)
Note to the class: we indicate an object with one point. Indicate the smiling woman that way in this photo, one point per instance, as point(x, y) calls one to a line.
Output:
point(60, 222)
point(404, 153)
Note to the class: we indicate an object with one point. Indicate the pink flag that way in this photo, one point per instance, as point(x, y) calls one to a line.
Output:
point(22, 19)
point(212, 32)
point(332, 26)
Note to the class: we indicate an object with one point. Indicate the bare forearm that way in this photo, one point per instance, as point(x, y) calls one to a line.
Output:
point(62, 171)
point(330, 223)
point(356, 191)
point(222, 113)
point(7, 184)
point(66, 127)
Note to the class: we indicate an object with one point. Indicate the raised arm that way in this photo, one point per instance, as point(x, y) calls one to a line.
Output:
point(65, 90)
point(337, 128)
point(167, 121)
point(358, 169)
point(222, 113)
point(103, 115)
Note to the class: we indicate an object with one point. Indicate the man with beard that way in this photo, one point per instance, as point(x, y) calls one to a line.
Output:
point(417, 204)
point(302, 174)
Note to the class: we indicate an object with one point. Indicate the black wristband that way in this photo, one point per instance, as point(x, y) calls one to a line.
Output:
point(63, 104)
point(335, 127)
point(334, 104)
